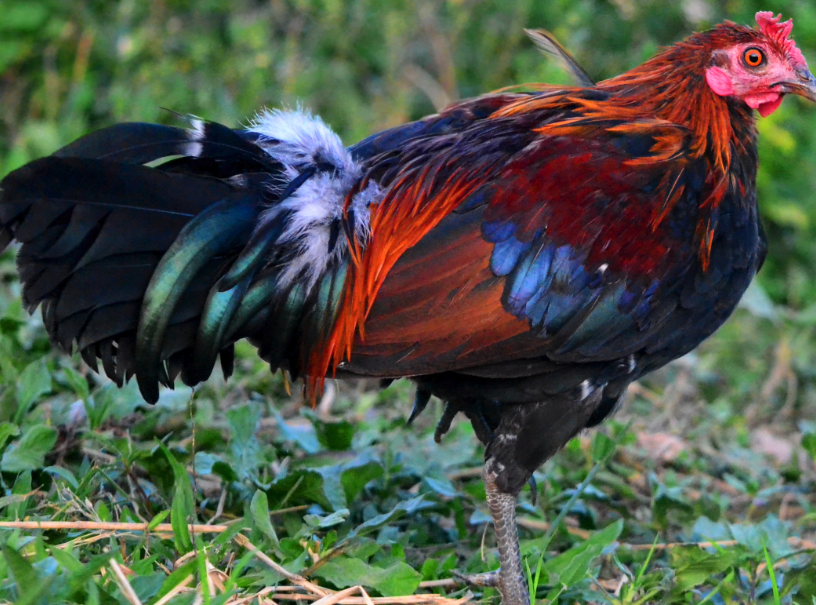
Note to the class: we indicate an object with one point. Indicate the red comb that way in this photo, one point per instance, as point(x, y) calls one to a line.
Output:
point(779, 33)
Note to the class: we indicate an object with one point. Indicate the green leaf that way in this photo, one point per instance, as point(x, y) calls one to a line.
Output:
point(207, 463)
point(708, 530)
point(363, 548)
point(146, 587)
point(442, 486)
point(29, 452)
point(573, 565)
point(303, 436)
point(30, 586)
point(111, 401)
point(325, 522)
point(404, 507)
point(77, 382)
point(182, 512)
point(429, 569)
point(772, 572)
point(63, 473)
point(102, 511)
point(398, 579)
point(21, 491)
point(34, 381)
point(259, 509)
point(177, 577)
point(180, 517)
point(667, 499)
point(356, 476)
point(602, 447)
point(245, 452)
point(66, 560)
point(159, 518)
point(89, 569)
point(301, 486)
point(699, 566)
point(335, 436)
point(233, 530)
point(809, 443)
point(7, 430)
point(333, 486)
point(21, 570)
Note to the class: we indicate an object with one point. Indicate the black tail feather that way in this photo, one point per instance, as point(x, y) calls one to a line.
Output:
point(99, 217)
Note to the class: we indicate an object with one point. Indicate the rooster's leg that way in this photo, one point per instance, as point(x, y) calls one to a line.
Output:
point(525, 437)
point(509, 578)
point(502, 505)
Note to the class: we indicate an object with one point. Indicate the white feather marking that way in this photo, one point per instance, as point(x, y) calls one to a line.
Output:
point(298, 140)
point(196, 129)
point(196, 134)
point(631, 363)
point(586, 389)
point(193, 149)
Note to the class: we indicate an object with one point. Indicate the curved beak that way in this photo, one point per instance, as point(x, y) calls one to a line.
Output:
point(804, 85)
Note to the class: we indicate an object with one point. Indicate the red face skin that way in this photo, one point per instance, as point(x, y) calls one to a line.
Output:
point(757, 85)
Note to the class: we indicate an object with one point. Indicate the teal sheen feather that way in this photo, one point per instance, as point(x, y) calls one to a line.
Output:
point(218, 313)
point(603, 321)
point(262, 239)
point(329, 299)
point(212, 232)
point(321, 319)
point(286, 320)
point(258, 297)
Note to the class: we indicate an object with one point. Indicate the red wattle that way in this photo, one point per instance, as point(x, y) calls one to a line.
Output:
point(766, 109)
point(765, 103)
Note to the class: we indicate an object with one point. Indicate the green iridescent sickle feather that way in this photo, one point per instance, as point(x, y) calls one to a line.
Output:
point(212, 232)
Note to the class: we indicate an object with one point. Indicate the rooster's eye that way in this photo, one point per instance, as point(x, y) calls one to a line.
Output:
point(753, 57)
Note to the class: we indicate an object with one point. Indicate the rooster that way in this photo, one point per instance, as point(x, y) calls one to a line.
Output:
point(523, 256)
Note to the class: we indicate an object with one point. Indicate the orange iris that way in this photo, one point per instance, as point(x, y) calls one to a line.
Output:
point(753, 57)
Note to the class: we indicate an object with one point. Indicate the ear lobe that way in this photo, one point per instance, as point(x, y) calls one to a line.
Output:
point(719, 81)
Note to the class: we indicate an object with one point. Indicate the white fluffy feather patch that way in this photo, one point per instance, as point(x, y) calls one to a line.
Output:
point(299, 140)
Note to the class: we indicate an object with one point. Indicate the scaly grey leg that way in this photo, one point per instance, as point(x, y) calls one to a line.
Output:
point(509, 579)
point(512, 583)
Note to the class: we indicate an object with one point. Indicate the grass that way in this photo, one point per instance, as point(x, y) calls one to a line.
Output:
point(700, 490)
point(237, 490)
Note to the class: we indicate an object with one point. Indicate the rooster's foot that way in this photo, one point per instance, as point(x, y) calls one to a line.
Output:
point(479, 580)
